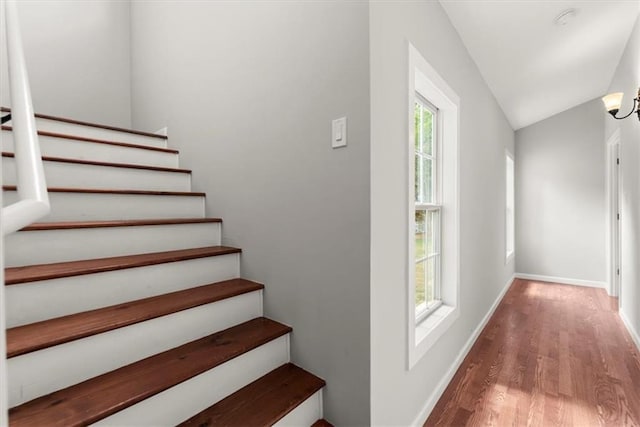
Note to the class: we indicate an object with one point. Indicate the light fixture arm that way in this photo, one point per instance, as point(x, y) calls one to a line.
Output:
point(635, 109)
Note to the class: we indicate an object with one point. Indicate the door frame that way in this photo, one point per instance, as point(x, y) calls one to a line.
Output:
point(4, 405)
point(613, 188)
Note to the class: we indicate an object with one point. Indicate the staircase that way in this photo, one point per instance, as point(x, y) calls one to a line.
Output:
point(123, 308)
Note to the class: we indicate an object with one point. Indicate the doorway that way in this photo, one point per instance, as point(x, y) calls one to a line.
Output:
point(613, 202)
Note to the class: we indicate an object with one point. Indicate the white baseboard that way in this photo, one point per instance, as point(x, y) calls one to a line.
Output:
point(444, 382)
point(634, 334)
point(563, 280)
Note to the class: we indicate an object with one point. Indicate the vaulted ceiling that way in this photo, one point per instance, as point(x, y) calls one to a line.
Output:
point(536, 67)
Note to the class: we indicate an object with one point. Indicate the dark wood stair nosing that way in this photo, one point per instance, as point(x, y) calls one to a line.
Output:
point(99, 141)
point(105, 164)
point(69, 225)
point(34, 273)
point(264, 401)
point(113, 191)
point(95, 125)
point(99, 397)
point(48, 333)
point(322, 423)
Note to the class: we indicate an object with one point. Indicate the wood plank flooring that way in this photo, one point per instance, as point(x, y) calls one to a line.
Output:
point(551, 355)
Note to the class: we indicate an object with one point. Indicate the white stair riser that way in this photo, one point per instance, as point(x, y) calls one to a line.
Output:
point(46, 299)
point(98, 133)
point(74, 175)
point(48, 246)
point(184, 400)
point(83, 150)
point(96, 206)
point(45, 371)
point(305, 414)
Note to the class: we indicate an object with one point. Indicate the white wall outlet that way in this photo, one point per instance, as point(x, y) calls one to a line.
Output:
point(339, 132)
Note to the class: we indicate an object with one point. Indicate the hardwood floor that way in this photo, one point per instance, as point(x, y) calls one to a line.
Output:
point(551, 355)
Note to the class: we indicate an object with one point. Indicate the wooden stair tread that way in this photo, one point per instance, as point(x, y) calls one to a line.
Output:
point(108, 191)
point(31, 273)
point(105, 164)
point(99, 141)
point(65, 225)
point(95, 125)
point(99, 397)
point(322, 423)
point(263, 402)
point(39, 335)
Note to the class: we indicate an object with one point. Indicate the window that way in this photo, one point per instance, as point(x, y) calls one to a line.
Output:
point(433, 261)
point(427, 209)
point(510, 208)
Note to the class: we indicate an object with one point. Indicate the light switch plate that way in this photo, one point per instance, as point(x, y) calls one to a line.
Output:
point(339, 132)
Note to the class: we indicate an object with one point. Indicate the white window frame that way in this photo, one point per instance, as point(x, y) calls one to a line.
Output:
point(424, 310)
point(425, 330)
point(510, 244)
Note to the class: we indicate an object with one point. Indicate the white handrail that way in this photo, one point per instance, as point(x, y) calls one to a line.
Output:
point(32, 187)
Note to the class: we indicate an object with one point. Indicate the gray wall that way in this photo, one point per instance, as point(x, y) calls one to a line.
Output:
point(627, 79)
point(398, 396)
point(248, 91)
point(78, 59)
point(560, 196)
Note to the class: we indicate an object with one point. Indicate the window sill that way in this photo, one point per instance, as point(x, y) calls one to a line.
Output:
point(428, 331)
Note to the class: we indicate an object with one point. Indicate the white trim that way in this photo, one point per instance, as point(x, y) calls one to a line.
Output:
point(509, 257)
point(444, 382)
point(612, 224)
point(423, 79)
point(429, 331)
point(4, 401)
point(562, 280)
point(634, 334)
point(4, 408)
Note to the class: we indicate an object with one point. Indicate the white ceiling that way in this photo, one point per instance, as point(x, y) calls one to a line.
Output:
point(535, 68)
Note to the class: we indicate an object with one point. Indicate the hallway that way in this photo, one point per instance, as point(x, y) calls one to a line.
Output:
point(551, 355)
